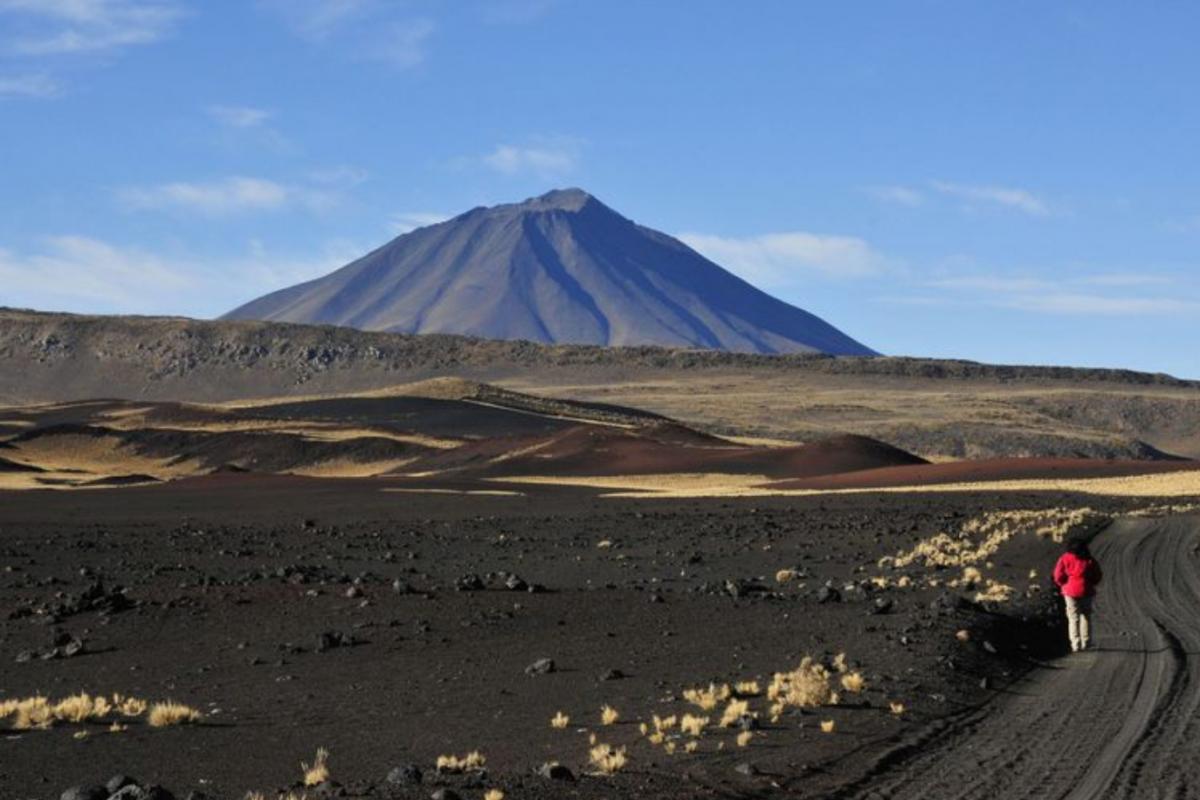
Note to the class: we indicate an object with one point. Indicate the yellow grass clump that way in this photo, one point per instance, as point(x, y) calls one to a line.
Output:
point(807, 686)
point(839, 663)
point(981, 538)
point(33, 713)
point(707, 699)
point(734, 712)
point(828, 726)
point(854, 682)
point(609, 715)
point(897, 708)
point(995, 592)
point(130, 706)
point(691, 746)
point(608, 760)
point(169, 713)
point(493, 794)
point(963, 635)
point(785, 576)
point(662, 724)
point(318, 772)
point(747, 689)
point(693, 725)
point(744, 738)
point(82, 707)
point(469, 763)
point(560, 721)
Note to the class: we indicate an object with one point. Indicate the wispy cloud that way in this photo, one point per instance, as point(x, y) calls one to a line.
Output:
point(37, 85)
point(1006, 197)
point(66, 27)
point(403, 44)
point(318, 19)
point(777, 260)
point(407, 221)
point(546, 157)
point(1093, 304)
point(226, 196)
point(897, 195)
point(78, 271)
point(1099, 294)
point(380, 31)
point(239, 116)
point(85, 274)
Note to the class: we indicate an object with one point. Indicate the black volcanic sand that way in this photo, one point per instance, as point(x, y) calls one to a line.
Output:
point(232, 580)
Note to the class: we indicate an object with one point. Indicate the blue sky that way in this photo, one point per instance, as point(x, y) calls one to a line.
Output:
point(1009, 182)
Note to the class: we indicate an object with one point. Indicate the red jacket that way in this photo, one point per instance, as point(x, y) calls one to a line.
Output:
point(1077, 577)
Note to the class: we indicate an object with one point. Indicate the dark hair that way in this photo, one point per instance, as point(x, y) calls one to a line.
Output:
point(1079, 547)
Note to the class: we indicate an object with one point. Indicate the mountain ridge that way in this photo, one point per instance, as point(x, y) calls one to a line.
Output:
point(560, 268)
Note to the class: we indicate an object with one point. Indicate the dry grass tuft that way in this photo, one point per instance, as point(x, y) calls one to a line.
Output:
point(130, 706)
point(708, 699)
point(609, 715)
point(747, 689)
point(318, 773)
point(807, 686)
point(607, 759)
point(471, 762)
point(785, 576)
point(691, 746)
point(897, 708)
point(828, 726)
point(734, 712)
point(663, 724)
point(560, 721)
point(169, 713)
point(693, 725)
point(744, 738)
point(854, 682)
point(963, 635)
point(493, 794)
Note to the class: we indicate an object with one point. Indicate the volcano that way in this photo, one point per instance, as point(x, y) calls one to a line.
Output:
point(562, 268)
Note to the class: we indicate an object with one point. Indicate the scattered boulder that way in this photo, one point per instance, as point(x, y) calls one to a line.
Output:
point(445, 794)
point(882, 605)
point(405, 775)
point(746, 768)
point(612, 675)
point(332, 640)
point(514, 583)
point(469, 583)
point(543, 666)
point(553, 771)
point(828, 594)
point(85, 793)
point(118, 782)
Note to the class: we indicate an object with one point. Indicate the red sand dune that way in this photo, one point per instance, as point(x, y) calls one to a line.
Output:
point(995, 469)
point(591, 450)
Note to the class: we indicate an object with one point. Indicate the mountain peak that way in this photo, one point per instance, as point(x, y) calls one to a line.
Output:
point(561, 267)
point(569, 199)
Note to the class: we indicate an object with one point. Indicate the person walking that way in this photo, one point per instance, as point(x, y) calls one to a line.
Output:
point(1076, 574)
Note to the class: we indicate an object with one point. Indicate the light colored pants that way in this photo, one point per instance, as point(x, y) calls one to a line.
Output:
point(1079, 623)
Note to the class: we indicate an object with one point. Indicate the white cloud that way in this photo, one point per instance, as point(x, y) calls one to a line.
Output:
point(88, 275)
point(898, 195)
point(779, 259)
point(380, 31)
point(239, 116)
point(545, 158)
point(28, 86)
point(403, 44)
point(1076, 295)
point(1017, 199)
point(1091, 304)
point(64, 27)
point(232, 195)
point(76, 272)
point(317, 19)
point(407, 221)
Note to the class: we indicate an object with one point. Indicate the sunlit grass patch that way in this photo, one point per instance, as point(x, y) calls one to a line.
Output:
point(169, 713)
point(609, 715)
point(560, 721)
point(607, 759)
point(318, 772)
point(471, 762)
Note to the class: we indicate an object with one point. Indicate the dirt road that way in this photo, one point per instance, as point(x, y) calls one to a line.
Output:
point(1119, 721)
